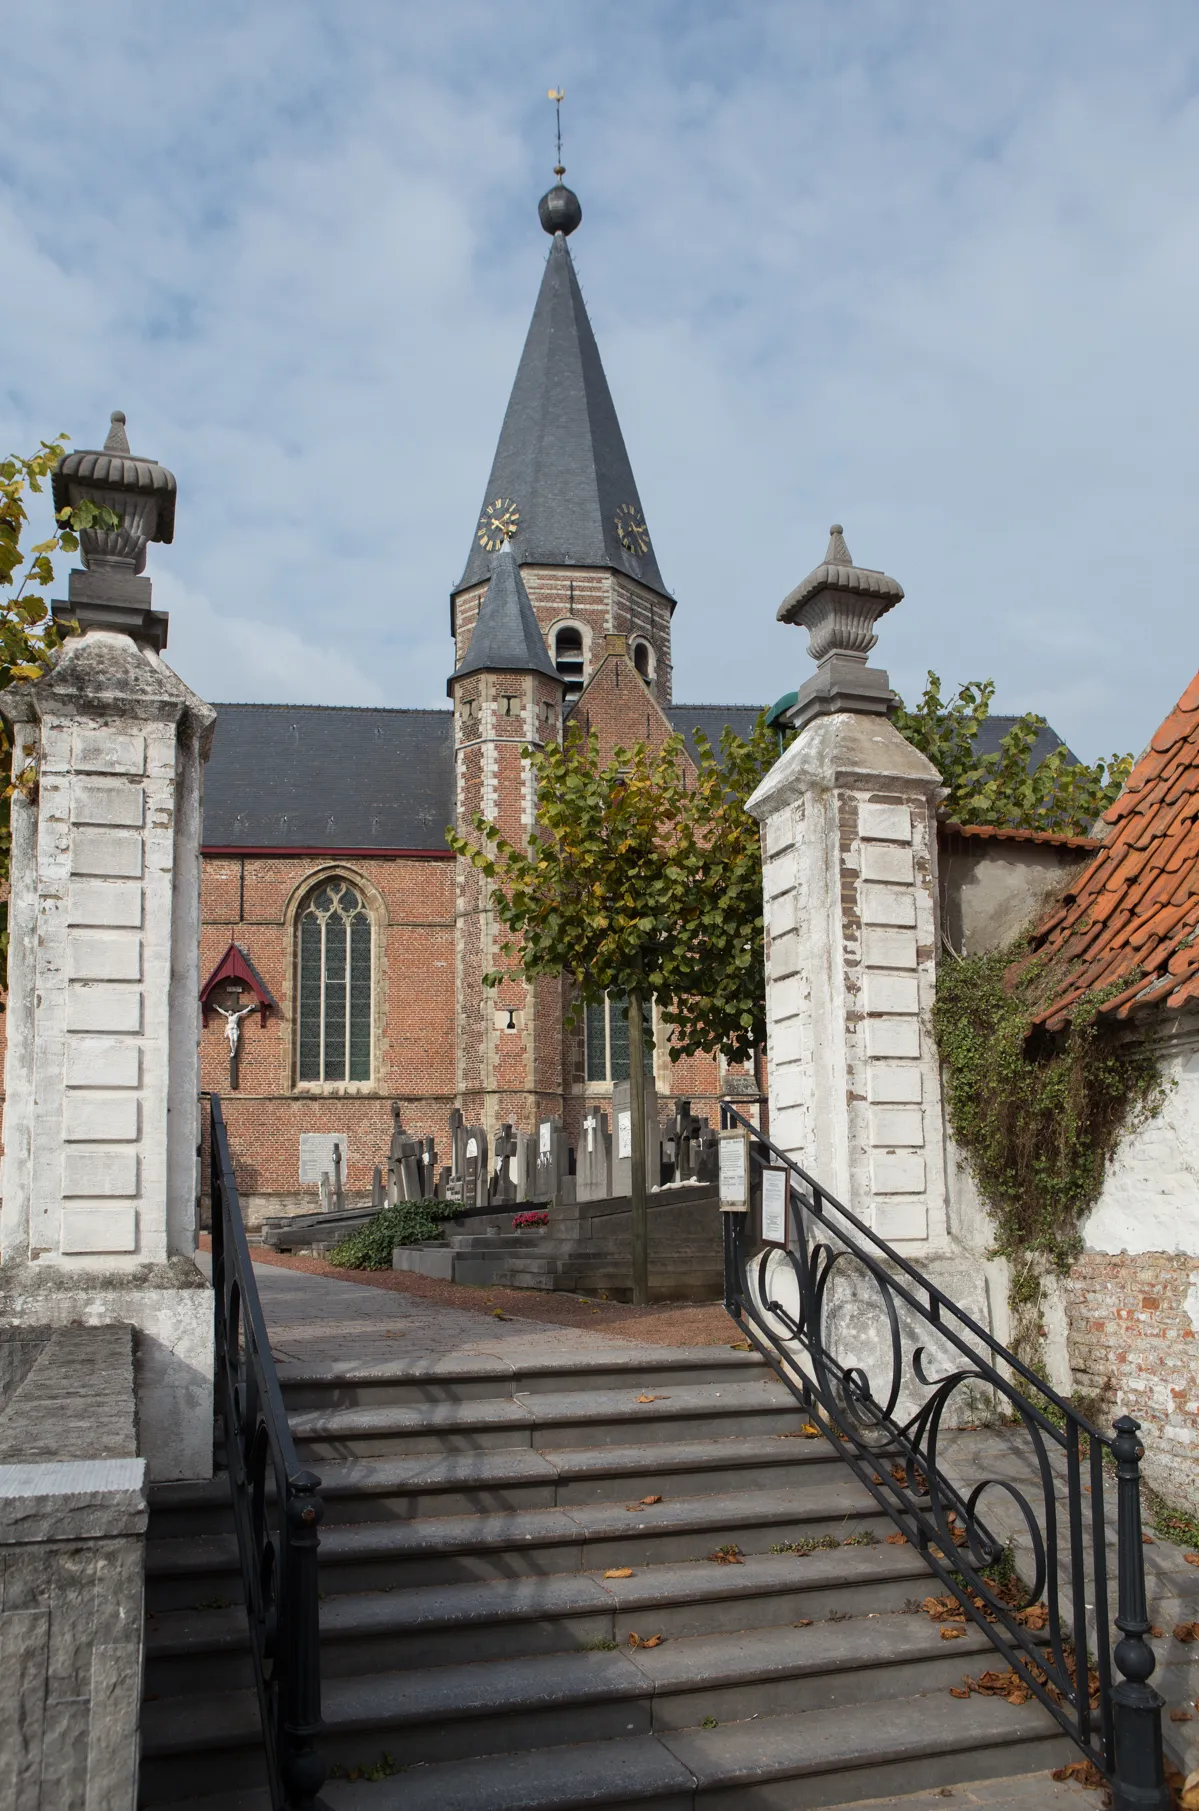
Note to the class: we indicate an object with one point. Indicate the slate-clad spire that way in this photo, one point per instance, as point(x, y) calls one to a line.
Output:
point(506, 638)
point(561, 473)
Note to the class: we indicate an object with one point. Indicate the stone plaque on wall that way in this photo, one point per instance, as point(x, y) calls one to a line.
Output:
point(316, 1155)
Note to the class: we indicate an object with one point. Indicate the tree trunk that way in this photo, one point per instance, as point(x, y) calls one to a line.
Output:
point(637, 1156)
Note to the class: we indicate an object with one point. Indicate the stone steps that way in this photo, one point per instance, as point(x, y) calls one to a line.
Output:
point(376, 1556)
point(444, 1625)
point(498, 1707)
point(595, 1417)
point(473, 1506)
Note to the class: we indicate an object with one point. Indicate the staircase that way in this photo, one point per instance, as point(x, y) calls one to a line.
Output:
point(475, 1657)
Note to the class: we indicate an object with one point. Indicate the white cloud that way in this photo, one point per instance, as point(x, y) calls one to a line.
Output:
point(930, 271)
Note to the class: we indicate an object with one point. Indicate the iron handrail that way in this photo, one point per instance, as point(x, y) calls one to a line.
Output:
point(277, 1529)
point(849, 1324)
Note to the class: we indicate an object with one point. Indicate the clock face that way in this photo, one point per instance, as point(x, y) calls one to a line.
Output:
point(498, 523)
point(630, 526)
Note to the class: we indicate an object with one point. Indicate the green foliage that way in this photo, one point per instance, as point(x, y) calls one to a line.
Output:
point(642, 878)
point(1174, 1524)
point(28, 636)
point(808, 1543)
point(407, 1223)
point(998, 788)
point(1037, 1118)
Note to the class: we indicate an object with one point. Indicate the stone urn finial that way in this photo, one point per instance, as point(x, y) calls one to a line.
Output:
point(110, 593)
point(838, 604)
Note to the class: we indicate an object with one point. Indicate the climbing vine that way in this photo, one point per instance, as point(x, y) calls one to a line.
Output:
point(1038, 1117)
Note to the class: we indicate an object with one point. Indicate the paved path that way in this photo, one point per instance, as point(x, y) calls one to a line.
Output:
point(316, 1321)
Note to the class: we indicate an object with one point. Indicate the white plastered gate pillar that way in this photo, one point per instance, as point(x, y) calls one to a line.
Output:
point(101, 1121)
point(848, 817)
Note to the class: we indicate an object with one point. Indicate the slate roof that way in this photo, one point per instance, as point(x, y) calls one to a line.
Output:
point(1131, 920)
point(307, 776)
point(712, 718)
point(506, 638)
point(561, 460)
point(994, 729)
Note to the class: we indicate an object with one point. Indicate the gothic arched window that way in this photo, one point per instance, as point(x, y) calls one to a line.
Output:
point(334, 985)
point(643, 660)
point(568, 658)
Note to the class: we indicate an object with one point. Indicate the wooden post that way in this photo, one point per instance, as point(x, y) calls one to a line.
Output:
point(637, 1155)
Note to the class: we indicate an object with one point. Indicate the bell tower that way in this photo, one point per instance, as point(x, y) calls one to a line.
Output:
point(561, 568)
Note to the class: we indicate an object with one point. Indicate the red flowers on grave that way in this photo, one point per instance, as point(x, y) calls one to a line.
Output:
point(520, 1221)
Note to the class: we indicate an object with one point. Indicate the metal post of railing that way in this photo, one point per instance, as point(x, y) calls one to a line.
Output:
point(302, 1766)
point(1139, 1783)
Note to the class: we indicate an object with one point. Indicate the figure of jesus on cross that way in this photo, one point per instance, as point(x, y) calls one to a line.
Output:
point(233, 1018)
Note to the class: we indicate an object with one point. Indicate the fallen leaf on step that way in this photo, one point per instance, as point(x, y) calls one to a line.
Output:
point(1192, 1559)
point(1187, 1632)
point(952, 1634)
point(1147, 1540)
point(498, 1314)
point(958, 1691)
point(1035, 1617)
point(644, 1398)
point(643, 1503)
point(805, 1622)
point(1083, 1773)
point(897, 1540)
point(646, 1641)
point(619, 1572)
point(1190, 1792)
point(740, 1345)
point(729, 1555)
point(1180, 1716)
point(1156, 1632)
point(810, 1431)
point(876, 1479)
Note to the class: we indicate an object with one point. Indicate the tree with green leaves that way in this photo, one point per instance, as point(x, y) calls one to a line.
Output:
point(28, 635)
point(1003, 788)
point(642, 881)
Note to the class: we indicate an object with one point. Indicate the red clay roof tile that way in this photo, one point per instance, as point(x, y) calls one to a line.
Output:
point(1129, 914)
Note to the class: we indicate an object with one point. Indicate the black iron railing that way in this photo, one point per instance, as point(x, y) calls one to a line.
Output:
point(886, 1365)
point(276, 1506)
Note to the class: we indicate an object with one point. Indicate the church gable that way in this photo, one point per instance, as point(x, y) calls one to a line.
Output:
point(618, 706)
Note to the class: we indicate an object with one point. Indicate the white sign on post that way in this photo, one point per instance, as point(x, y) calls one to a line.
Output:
point(544, 1136)
point(734, 1171)
point(774, 1206)
point(624, 1134)
point(316, 1155)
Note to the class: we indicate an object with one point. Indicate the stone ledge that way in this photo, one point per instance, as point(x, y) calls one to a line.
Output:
point(78, 1499)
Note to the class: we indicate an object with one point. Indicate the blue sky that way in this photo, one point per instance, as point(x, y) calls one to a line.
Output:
point(926, 269)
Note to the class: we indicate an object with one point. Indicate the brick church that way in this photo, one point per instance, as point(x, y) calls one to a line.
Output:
point(338, 928)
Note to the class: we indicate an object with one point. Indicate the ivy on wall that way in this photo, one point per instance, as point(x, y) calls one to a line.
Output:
point(1038, 1117)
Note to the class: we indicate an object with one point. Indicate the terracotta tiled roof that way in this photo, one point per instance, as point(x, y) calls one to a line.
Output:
point(1131, 920)
point(1055, 839)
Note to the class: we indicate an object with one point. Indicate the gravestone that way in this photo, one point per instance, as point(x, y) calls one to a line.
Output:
point(475, 1177)
point(622, 1138)
point(594, 1179)
point(376, 1189)
point(553, 1162)
point(525, 1163)
point(503, 1188)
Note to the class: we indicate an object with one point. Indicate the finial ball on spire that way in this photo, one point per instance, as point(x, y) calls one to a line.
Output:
point(560, 210)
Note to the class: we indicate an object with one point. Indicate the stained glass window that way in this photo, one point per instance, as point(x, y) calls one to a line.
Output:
point(608, 1040)
point(335, 986)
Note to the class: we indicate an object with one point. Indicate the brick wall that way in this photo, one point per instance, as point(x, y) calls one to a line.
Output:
point(253, 901)
point(1132, 1325)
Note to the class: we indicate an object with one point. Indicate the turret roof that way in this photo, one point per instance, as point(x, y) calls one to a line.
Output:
point(506, 637)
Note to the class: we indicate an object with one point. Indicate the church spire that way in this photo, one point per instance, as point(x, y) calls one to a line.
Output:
point(561, 486)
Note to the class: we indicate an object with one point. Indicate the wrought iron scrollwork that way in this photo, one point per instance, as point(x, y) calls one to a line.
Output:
point(276, 1507)
point(887, 1366)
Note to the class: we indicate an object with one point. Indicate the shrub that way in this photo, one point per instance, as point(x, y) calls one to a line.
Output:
point(408, 1223)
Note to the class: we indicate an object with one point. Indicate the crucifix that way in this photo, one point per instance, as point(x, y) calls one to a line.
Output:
point(233, 1017)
